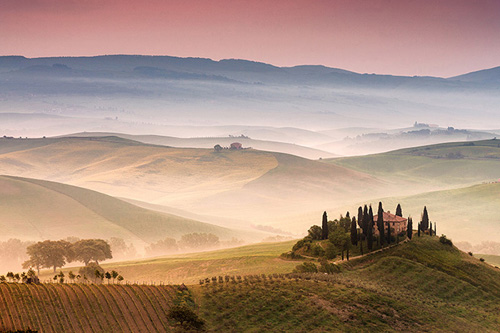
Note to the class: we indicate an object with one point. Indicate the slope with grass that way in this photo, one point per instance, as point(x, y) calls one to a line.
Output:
point(35, 210)
point(434, 166)
point(420, 285)
point(190, 268)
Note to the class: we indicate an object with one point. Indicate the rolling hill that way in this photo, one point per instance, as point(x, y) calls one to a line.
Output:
point(434, 166)
point(210, 142)
point(420, 285)
point(36, 210)
point(247, 185)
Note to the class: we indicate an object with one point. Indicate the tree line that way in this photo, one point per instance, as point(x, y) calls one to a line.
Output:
point(342, 236)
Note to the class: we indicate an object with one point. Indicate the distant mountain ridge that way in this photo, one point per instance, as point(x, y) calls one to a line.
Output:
point(225, 69)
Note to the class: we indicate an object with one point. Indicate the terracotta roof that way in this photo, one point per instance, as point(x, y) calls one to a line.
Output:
point(388, 217)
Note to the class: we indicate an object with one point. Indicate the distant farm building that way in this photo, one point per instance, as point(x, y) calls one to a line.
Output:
point(236, 145)
point(397, 223)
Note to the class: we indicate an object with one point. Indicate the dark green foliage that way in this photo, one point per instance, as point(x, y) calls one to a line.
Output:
point(424, 225)
point(186, 318)
point(331, 251)
point(380, 223)
point(317, 250)
point(409, 228)
point(324, 226)
point(315, 232)
point(303, 243)
point(366, 219)
point(430, 229)
point(445, 240)
point(481, 259)
point(345, 222)
point(326, 267)
point(348, 215)
point(307, 267)
point(354, 232)
point(435, 229)
point(419, 227)
point(360, 217)
point(399, 211)
point(369, 238)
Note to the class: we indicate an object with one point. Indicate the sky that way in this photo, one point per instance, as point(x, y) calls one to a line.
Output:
point(400, 37)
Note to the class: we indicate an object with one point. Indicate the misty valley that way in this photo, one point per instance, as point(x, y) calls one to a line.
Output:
point(155, 193)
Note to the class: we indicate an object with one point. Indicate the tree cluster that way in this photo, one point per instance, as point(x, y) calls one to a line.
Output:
point(56, 254)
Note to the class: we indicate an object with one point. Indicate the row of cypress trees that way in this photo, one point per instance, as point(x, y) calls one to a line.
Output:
point(365, 221)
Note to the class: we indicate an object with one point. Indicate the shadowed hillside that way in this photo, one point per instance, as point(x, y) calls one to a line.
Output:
point(36, 210)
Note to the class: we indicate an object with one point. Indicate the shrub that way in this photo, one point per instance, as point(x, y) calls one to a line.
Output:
point(317, 250)
point(445, 240)
point(186, 317)
point(328, 268)
point(470, 253)
point(481, 259)
point(307, 267)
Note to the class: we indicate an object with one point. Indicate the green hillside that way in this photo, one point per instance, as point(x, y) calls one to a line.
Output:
point(447, 164)
point(419, 286)
point(190, 268)
point(35, 209)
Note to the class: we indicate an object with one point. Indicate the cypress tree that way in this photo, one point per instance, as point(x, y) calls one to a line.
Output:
point(366, 219)
point(409, 228)
point(435, 228)
point(380, 223)
point(430, 230)
point(418, 230)
point(324, 227)
point(354, 232)
point(361, 242)
point(369, 238)
point(360, 217)
point(399, 211)
point(425, 220)
point(347, 215)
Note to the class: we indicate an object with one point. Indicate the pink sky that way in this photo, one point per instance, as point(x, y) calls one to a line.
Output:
point(406, 37)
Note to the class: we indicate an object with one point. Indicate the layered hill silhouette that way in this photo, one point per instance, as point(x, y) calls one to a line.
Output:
point(37, 210)
point(171, 90)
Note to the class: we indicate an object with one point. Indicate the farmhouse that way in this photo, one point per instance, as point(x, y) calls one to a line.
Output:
point(236, 145)
point(397, 223)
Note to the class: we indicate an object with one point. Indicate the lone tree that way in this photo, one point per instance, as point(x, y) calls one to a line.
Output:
point(50, 254)
point(380, 223)
point(409, 228)
point(354, 232)
point(424, 224)
point(324, 226)
point(399, 211)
